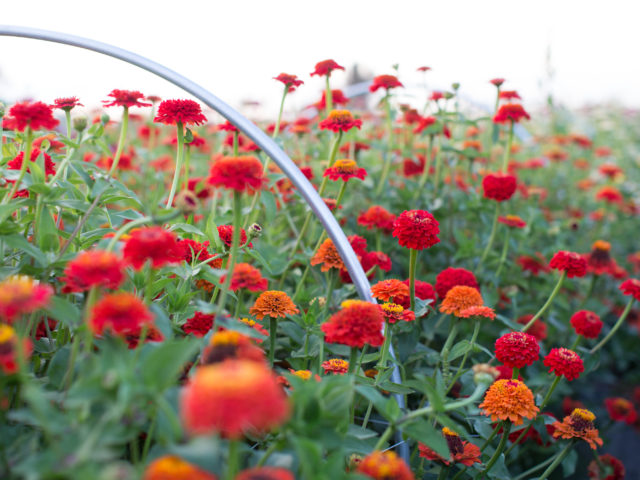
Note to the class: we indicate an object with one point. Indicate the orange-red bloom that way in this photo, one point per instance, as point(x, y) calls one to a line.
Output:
point(459, 451)
point(171, 467)
point(154, 244)
point(510, 112)
point(385, 466)
point(356, 324)
point(631, 287)
point(232, 398)
point(513, 221)
point(395, 313)
point(20, 294)
point(237, 173)
point(328, 256)
point(121, 314)
point(37, 115)
point(378, 217)
point(386, 290)
point(416, 229)
point(246, 276)
point(509, 400)
point(564, 362)
point(185, 112)
point(517, 349)
point(125, 98)
point(340, 120)
point(385, 81)
point(459, 299)
point(9, 349)
point(609, 194)
point(274, 304)
point(578, 425)
point(571, 262)
point(290, 81)
point(93, 268)
point(337, 366)
point(478, 312)
point(621, 410)
point(345, 169)
point(325, 68)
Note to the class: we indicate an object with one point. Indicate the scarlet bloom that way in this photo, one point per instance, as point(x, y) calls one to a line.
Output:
point(325, 68)
point(66, 104)
point(416, 229)
point(290, 81)
point(385, 81)
point(328, 256)
point(377, 217)
point(513, 221)
point(246, 276)
point(450, 277)
point(226, 235)
point(229, 344)
point(125, 98)
point(385, 466)
point(198, 325)
point(345, 169)
point(36, 115)
point(609, 194)
point(517, 349)
point(274, 304)
point(538, 329)
point(265, 473)
point(564, 363)
point(621, 410)
point(337, 98)
point(572, 263)
point(340, 120)
point(578, 425)
point(510, 112)
point(497, 81)
point(459, 299)
point(155, 244)
point(237, 173)
point(227, 126)
point(499, 186)
point(337, 366)
point(395, 313)
point(631, 287)
point(478, 312)
point(121, 314)
point(185, 112)
point(386, 290)
point(424, 291)
point(20, 294)
point(221, 398)
point(193, 251)
point(356, 324)
point(9, 349)
point(256, 326)
point(509, 400)
point(93, 268)
point(509, 95)
point(171, 467)
point(424, 123)
point(599, 260)
point(533, 264)
point(586, 323)
point(459, 451)
point(614, 466)
point(423, 69)
point(16, 164)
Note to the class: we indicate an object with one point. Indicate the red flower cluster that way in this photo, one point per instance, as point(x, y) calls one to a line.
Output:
point(198, 325)
point(290, 81)
point(246, 276)
point(121, 314)
point(385, 81)
point(125, 98)
point(152, 243)
point(377, 217)
point(194, 251)
point(499, 186)
point(586, 323)
point(237, 173)
point(510, 112)
point(451, 277)
point(226, 235)
point(325, 68)
point(185, 112)
point(356, 324)
point(571, 262)
point(517, 349)
point(416, 229)
point(564, 362)
point(93, 268)
point(36, 115)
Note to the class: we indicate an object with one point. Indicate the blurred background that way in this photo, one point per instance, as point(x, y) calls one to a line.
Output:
point(579, 53)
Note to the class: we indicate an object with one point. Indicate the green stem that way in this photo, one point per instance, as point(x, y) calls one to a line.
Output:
point(187, 161)
point(553, 295)
point(413, 259)
point(507, 152)
point(273, 333)
point(540, 466)
point(267, 453)
point(556, 462)
point(386, 167)
point(446, 349)
point(460, 371)
point(121, 141)
point(67, 118)
point(233, 461)
point(147, 289)
point(179, 156)
point(503, 257)
point(353, 360)
point(615, 328)
point(492, 236)
point(276, 130)
point(236, 141)
point(26, 159)
point(236, 312)
point(425, 173)
point(147, 440)
point(237, 220)
point(382, 364)
point(506, 428)
point(329, 96)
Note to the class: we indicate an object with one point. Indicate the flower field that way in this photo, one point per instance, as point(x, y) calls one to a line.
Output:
point(170, 308)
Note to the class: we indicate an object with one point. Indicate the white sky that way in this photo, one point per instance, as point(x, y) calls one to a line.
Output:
point(234, 48)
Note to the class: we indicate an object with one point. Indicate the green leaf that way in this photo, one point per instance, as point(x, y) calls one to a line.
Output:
point(269, 202)
point(64, 311)
point(185, 227)
point(21, 243)
point(161, 367)
point(422, 431)
point(459, 349)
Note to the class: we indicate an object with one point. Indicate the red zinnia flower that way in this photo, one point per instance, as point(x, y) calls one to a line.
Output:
point(193, 251)
point(621, 410)
point(631, 287)
point(609, 194)
point(265, 473)
point(337, 366)
point(378, 217)
point(93, 268)
point(510, 112)
point(340, 120)
point(416, 229)
point(290, 81)
point(586, 323)
point(394, 313)
point(356, 324)
point(325, 68)
point(198, 325)
point(37, 115)
point(226, 235)
point(451, 277)
point(246, 276)
point(509, 95)
point(538, 329)
point(345, 169)
point(497, 81)
point(16, 164)
point(386, 290)
point(436, 95)
point(615, 468)
point(512, 221)
point(424, 123)
point(172, 112)
point(66, 104)
point(20, 294)
point(517, 349)
point(385, 81)
point(573, 263)
point(565, 362)
point(121, 314)
point(237, 173)
point(9, 349)
point(459, 451)
point(533, 264)
point(423, 69)
point(125, 98)
point(151, 243)
point(499, 186)
point(337, 98)
point(424, 291)
point(221, 398)
point(385, 466)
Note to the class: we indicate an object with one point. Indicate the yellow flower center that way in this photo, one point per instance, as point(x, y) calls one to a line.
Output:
point(340, 115)
point(601, 245)
point(449, 432)
point(583, 414)
point(226, 337)
point(392, 308)
point(6, 333)
point(303, 374)
point(345, 165)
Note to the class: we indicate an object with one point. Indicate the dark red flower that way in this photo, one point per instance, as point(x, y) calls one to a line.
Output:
point(344, 169)
point(198, 325)
point(452, 277)
point(510, 112)
point(66, 104)
point(385, 81)
point(290, 81)
point(377, 217)
point(340, 120)
point(614, 469)
point(571, 262)
point(325, 68)
point(533, 264)
point(192, 250)
point(517, 349)
point(631, 287)
point(16, 164)
point(509, 95)
point(424, 123)
point(564, 362)
point(226, 235)
point(186, 112)
point(416, 229)
point(151, 243)
point(37, 115)
point(125, 98)
point(586, 323)
point(499, 186)
point(621, 410)
point(356, 324)
point(497, 81)
point(424, 291)
point(121, 314)
point(93, 268)
point(237, 173)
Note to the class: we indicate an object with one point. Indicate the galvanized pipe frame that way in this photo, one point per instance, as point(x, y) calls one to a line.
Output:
point(290, 169)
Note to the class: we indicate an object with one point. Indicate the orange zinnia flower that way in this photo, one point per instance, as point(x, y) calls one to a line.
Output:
point(328, 256)
point(578, 425)
point(386, 290)
point(509, 400)
point(273, 303)
point(481, 311)
point(174, 468)
point(337, 366)
point(460, 298)
point(385, 466)
point(460, 451)
point(230, 344)
point(20, 294)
